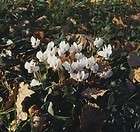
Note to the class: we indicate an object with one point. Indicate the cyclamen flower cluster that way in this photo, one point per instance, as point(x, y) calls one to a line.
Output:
point(79, 69)
point(79, 66)
point(106, 50)
point(49, 56)
point(53, 55)
point(71, 58)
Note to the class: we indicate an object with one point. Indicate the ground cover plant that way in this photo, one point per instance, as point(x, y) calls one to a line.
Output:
point(70, 66)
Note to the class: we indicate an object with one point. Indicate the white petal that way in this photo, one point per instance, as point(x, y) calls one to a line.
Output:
point(84, 75)
point(82, 63)
point(22, 116)
point(106, 52)
point(27, 65)
point(50, 45)
point(31, 66)
point(9, 42)
point(73, 76)
point(33, 40)
point(79, 56)
point(8, 52)
point(37, 42)
point(50, 109)
point(67, 66)
point(39, 55)
point(106, 74)
point(72, 49)
point(74, 66)
point(94, 68)
point(101, 53)
point(98, 42)
point(63, 46)
point(54, 62)
point(75, 48)
point(35, 82)
point(60, 52)
point(36, 68)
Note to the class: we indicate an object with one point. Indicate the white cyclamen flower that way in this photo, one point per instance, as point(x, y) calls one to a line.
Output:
point(51, 49)
point(82, 63)
point(75, 48)
point(92, 65)
point(63, 48)
point(98, 42)
point(79, 56)
point(106, 74)
point(74, 66)
point(8, 52)
point(9, 41)
point(67, 66)
point(31, 66)
point(35, 42)
point(91, 61)
point(79, 64)
point(106, 52)
point(80, 76)
point(54, 62)
point(50, 46)
point(94, 68)
point(41, 56)
point(34, 83)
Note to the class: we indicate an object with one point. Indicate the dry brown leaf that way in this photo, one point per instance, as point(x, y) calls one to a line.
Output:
point(136, 17)
point(84, 40)
point(61, 75)
point(11, 98)
point(104, 65)
point(39, 34)
point(119, 22)
point(94, 93)
point(37, 121)
point(136, 75)
point(41, 18)
point(98, 93)
point(81, 39)
point(13, 126)
point(94, 105)
point(23, 92)
point(82, 29)
point(34, 110)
